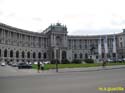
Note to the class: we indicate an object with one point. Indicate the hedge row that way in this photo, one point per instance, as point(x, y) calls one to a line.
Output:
point(75, 61)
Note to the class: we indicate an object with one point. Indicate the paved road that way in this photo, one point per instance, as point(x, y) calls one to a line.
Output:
point(66, 82)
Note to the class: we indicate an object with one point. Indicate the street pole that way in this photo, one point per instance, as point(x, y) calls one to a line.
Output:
point(56, 65)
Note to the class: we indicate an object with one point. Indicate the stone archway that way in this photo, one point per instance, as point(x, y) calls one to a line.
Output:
point(44, 55)
point(86, 56)
point(58, 41)
point(11, 53)
point(28, 54)
point(0, 52)
point(17, 54)
point(5, 53)
point(39, 55)
point(34, 55)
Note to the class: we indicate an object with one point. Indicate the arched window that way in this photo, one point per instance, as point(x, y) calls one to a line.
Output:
point(75, 56)
point(34, 55)
point(114, 54)
point(11, 53)
point(63, 54)
point(39, 55)
point(28, 54)
point(103, 55)
point(0, 52)
point(86, 56)
point(44, 55)
point(23, 54)
point(5, 53)
point(17, 54)
point(52, 54)
point(58, 41)
point(81, 55)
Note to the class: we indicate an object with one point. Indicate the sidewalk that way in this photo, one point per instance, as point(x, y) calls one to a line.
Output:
point(8, 71)
point(91, 68)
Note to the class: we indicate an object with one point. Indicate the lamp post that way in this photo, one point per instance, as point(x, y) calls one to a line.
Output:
point(56, 65)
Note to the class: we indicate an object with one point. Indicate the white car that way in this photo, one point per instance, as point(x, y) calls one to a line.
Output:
point(37, 62)
point(109, 60)
point(123, 59)
point(46, 62)
point(3, 64)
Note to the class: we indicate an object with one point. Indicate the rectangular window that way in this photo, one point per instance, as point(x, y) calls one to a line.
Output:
point(121, 44)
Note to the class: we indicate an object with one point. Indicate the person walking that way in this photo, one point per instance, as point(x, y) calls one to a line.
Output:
point(103, 64)
point(38, 67)
point(42, 66)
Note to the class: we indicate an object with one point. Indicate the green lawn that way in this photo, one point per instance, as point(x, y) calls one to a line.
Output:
point(53, 66)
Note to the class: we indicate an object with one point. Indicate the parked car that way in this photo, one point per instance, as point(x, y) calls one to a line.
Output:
point(24, 66)
point(37, 63)
point(120, 60)
point(3, 63)
point(9, 63)
point(30, 63)
point(109, 60)
point(46, 62)
point(14, 65)
point(123, 59)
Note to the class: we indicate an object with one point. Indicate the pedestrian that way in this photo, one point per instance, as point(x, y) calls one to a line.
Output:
point(103, 64)
point(38, 67)
point(42, 66)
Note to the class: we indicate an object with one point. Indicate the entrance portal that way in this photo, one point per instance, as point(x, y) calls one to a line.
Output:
point(64, 55)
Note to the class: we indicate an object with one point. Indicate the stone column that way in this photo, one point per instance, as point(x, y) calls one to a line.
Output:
point(100, 49)
point(51, 40)
point(54, 40)
point(106, 48)
point(60, 55)
point(72, 44)
point(25, 56)
point(3, 36)
point(54, 53)
point(114, 47)
point(20, 56)
point(14, 56)
point(8, 53)
point(2, 54)
point(21, 40)
point(9, 36)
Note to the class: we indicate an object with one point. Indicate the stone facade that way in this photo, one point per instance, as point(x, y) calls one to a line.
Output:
point(17, 45)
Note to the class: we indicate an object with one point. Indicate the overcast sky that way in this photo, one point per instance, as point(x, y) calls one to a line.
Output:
point(82, 17)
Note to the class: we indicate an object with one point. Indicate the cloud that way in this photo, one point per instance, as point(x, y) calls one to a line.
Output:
point(118, 22)
point(80, 16)
point(95, 32)
point(1, 13)
point(37, 19)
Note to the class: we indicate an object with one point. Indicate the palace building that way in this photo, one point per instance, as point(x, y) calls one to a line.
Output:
point(18, 45)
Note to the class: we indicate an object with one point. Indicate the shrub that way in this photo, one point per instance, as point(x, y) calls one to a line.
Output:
point(76, 61)
point(89, 60)
point(65, 61)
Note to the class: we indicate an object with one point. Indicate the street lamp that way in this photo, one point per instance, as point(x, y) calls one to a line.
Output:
point(56, 65)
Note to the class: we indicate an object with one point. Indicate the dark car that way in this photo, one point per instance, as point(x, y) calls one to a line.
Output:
point(24, 66)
